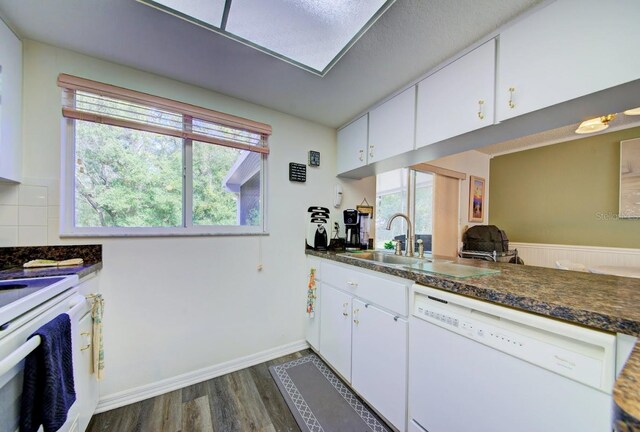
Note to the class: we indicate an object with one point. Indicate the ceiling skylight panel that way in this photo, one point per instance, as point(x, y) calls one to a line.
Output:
point(310, 32)
point(206, 11)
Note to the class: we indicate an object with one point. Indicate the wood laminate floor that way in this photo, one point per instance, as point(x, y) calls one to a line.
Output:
point(246, 400)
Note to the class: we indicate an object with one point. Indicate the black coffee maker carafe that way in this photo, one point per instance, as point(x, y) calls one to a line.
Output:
point(352, 229)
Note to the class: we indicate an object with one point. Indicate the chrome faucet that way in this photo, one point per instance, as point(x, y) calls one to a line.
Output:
point(408, 251)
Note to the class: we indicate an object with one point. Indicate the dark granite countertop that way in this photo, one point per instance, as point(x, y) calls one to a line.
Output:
point(12, 259)
point(19, 273)
point(603, 302)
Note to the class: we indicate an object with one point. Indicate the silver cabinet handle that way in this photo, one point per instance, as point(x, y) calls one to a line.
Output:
point(355, 316)
point(361, 157)
point(480, 111)
point(371, 151)
point(353, 284)
point(512, 105)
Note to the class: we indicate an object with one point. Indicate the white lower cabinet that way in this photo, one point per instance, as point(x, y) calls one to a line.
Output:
point(379, 358)
point(366, 342)
point(335, 330)
point(86, 384)
point(85, 381)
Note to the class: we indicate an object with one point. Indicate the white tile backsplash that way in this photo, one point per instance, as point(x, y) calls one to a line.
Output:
point(8, 236)
point(32, 216)
point(30, 213)
point(33, 195)
point(8, 215)
point(9, 193)
point(32, 235)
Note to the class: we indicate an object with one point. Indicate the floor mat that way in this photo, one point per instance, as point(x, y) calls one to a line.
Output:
point(318, 399)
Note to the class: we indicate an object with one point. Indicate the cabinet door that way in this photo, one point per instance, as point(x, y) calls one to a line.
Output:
point(568, 49)
point(352, 145)
point(458, 98)
point(392, 127)
point(85, 381)
point(379, 363)
point(10, 105)
point(335, 330)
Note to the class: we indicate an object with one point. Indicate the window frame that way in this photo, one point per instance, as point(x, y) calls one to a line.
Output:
point(68, 226)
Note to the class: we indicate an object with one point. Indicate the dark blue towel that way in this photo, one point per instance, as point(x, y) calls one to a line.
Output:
point(48, 390)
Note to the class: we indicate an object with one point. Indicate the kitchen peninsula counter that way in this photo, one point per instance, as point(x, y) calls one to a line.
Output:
point(602, 302)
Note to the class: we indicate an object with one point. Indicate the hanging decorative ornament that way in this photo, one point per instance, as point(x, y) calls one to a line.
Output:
point(311, 294)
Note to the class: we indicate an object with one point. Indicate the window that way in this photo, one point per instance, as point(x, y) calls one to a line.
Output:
point(391, 197)
point(409, 192)
point(137, 164)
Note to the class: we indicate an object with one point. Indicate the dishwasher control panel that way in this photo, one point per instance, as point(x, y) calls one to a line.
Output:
point(575, 359)
point(442, 317)
point(467, 327)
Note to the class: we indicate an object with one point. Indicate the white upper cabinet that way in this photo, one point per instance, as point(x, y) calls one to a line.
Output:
point(392, 126)
point(458, 98)
point(568, 49)
point(352, 145)
point(10, 105)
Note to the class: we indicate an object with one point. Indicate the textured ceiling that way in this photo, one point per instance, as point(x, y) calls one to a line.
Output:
point(411, 38)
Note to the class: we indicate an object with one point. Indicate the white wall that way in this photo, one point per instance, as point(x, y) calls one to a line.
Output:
point(177, 304)
point(474, 163)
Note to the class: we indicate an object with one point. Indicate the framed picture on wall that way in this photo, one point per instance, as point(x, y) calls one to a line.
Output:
point(476, 199)
point(629, 179)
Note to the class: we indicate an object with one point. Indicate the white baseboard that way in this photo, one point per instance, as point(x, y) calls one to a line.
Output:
point(147, 391)
point(546, 255)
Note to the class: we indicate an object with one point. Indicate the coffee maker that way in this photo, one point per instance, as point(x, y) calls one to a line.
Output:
point(352, 229)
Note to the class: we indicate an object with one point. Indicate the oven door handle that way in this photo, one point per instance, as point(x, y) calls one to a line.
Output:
point(76, 303)
point(10, 361)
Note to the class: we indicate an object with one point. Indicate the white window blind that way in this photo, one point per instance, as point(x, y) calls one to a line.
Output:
point(96, 102)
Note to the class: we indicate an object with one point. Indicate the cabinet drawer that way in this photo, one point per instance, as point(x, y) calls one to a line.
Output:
point(391, 294)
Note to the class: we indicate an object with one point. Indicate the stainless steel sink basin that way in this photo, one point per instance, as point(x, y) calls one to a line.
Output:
point(384, 257)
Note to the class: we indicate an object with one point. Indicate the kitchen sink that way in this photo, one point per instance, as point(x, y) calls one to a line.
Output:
point(384, 257)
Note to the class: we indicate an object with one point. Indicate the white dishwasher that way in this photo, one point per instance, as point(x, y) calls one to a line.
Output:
point(478, 367)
